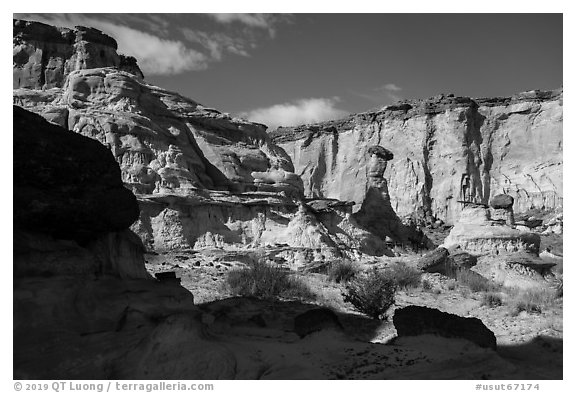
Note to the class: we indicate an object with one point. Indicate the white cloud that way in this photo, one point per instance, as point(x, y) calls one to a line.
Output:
point(148, 38)
point(391, 87)
point(302, 111)
point(261, 21)
point(254, 20)
point(217, 43)
point(155, 55)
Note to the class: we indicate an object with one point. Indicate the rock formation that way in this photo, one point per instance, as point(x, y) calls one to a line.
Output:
point(447, 149)
point(376, 213)
point(71, 210)
point(507, 255)
point(45, 55)
point(478, 234)
point(202, 178)
point(85, 308)
point(502, 208)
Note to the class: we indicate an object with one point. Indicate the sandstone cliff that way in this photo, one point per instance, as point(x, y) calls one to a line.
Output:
point(202, 178)
point(446, 149)
point(45, 55)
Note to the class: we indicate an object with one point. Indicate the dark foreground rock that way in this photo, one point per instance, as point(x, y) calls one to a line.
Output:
point(417, 320)
point(316, 320)
point(65, 184)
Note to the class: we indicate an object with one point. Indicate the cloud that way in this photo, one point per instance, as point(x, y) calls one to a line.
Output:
point(217, 44)
point(261, 21)
point(302, 111)
point(387, 93)
point(254, 20)
point(165, 44)
point(155, 55)
point(391, 87)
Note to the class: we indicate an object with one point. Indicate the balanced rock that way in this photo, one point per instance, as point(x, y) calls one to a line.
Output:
point(417, 320)
point(477, 234)
point(376, 213)
point(502, 201)
point(502, 209)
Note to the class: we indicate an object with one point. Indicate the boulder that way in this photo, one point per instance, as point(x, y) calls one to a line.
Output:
point(417, 320)
point(435, 261)
point(316, 320)
point(463, 260)
point(502, 201)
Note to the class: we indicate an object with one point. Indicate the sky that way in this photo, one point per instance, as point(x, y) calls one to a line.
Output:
point(288, 69)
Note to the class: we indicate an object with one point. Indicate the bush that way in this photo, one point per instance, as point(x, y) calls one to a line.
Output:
point(492, 299)
point(451, 284)
point(559, 285)
point(474, 281)
point(342, 271)
point(404, 276)
point(427, 285)
point(532, 301)
point(371, 293)
point(263, 280)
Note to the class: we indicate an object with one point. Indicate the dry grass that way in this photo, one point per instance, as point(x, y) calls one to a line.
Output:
point(266, 281)
point(492, 299)
point(342, 271)
point(404, 276)
point(532, 300)
point(474, 281)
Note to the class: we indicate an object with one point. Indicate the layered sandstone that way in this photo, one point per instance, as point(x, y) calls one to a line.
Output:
point(446, 149)
point(45, 55)
point(202, 178)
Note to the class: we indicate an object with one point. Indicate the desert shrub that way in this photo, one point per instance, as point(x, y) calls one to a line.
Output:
point(371, 293)
point(342, 271)
point(532, 300)
point(451, 284)
point(559, 285)
point(427, 285)
point(404, 276)
point(474, 281)
point(492, 299)
point(266, 281)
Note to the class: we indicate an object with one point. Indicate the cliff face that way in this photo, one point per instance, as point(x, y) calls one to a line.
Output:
point(446, 149)
point(202, 178)
point(45, 55)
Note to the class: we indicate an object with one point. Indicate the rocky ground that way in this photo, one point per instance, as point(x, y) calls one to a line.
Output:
point(532, 340)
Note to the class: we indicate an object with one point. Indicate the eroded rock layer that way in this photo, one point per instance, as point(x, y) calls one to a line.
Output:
point(445, 149)
point(44, 55)
point(198, 173)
